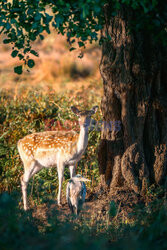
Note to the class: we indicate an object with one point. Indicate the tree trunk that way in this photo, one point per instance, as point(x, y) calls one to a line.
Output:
point(132, 150)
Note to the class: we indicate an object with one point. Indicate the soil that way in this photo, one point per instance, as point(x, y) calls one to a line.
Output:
point(97, 206)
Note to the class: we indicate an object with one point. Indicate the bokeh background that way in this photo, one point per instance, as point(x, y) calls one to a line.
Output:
point(56, 67)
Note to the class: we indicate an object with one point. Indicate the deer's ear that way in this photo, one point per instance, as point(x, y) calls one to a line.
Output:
point(94, 109)
point(75, 110)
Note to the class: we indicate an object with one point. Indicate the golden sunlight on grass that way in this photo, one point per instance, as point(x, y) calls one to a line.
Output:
point(56, 67)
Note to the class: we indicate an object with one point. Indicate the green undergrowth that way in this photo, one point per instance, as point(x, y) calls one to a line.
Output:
point(21, 230)
point(34, 111)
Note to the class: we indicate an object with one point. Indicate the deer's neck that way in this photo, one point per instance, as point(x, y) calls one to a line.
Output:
point(83, 139)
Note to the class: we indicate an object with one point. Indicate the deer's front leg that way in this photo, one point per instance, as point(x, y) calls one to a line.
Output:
point(72, 170)
point(60, 176)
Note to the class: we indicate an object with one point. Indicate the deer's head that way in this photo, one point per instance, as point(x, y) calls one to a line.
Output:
point(85, 115)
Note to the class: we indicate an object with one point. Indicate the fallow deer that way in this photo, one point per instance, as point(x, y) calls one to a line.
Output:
point(54, 148)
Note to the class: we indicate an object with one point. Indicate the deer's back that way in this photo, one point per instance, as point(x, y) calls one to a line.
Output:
point(46, 146)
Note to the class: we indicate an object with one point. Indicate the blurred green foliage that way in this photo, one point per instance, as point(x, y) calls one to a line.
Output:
point(24, 21)
point(20, 230)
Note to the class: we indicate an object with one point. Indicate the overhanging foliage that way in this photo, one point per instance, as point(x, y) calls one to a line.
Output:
point(23, 21)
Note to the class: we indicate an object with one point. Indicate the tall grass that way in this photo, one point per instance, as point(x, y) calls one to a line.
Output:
point(34, 111)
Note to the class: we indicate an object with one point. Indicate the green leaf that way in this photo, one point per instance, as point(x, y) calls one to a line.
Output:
point(26, 50)
point(48, 18)
point(13, 20)
point(8, 26)
point(18, 70)
point(59, 20)
point(19, 44)
point(113, 209)
point(47, 29)
point(41, 37)
point(145, 8)
point(20, 56)
point(73, 41)
point(5, 41)
point(34, 26)
point(72, 48)
point(80, 55)
point(32, 36)
point(5, 133)
point(30, 63)
point(37, 16)
point(81, 44)
point(34, 52)
point(97, 9)
point(14, 53)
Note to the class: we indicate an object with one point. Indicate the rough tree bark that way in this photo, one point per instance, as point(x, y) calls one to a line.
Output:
point(134, 72)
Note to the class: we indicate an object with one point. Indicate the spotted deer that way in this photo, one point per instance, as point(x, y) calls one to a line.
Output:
point(54, 148)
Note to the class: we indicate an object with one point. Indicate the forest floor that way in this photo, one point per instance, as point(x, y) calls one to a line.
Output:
point(96, 207)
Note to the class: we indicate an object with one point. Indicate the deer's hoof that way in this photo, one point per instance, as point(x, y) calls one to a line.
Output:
point(59, 204)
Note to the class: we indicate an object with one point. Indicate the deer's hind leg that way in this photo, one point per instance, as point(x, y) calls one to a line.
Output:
point(30, 168)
